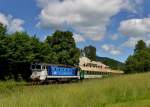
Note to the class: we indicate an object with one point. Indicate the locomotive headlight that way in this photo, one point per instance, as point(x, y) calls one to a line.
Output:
point(35, 75)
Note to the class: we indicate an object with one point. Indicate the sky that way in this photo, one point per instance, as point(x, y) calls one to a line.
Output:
point(112, 26)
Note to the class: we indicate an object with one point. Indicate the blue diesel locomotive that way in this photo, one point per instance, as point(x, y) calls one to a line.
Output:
point(49, 72)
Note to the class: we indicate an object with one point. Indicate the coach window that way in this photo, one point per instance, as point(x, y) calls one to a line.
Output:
point(86, 72)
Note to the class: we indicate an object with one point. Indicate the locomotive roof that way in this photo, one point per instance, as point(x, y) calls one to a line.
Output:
point(62, 65)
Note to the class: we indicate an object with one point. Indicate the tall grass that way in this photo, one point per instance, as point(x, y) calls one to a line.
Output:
point(123, 91)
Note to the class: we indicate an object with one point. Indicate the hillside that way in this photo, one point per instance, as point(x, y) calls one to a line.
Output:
point(114, 64)
point(123, 91)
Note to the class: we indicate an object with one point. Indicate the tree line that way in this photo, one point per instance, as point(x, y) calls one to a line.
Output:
point(19, 50)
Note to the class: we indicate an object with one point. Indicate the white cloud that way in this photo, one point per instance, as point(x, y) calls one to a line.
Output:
point(78, 38)
point(135, 29)
point(89, 17)
point(13, 24)
point(132, 41)
point(111, 49)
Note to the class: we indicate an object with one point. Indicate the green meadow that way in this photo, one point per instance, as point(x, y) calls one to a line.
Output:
point(123, 91)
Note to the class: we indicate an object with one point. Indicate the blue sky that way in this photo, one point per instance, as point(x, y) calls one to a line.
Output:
point(112, 26)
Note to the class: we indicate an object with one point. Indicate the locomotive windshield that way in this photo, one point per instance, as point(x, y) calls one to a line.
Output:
point(36, 67)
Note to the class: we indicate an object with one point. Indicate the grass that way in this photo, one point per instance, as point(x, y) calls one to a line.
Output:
point(122, 91)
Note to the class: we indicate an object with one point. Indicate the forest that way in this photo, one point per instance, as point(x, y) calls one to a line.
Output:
point(19, 50)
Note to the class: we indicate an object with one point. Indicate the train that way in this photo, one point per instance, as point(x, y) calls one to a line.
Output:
point(42, 72)
point(55, 73)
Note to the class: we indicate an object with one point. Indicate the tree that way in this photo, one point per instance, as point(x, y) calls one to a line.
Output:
point(3, 40)
point(3, 30)
point(140, 60)
point(90, 52)
point(3, 51)
point(20, 50)
point(63, 48)
point(141, 45)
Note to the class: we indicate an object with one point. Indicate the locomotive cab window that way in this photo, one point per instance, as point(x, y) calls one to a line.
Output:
point(43, 67)
point(33, 67)
point(38, 66)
